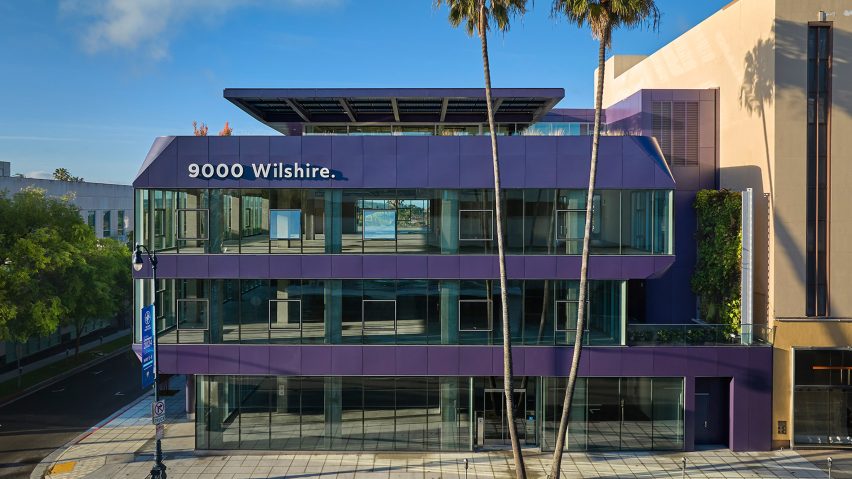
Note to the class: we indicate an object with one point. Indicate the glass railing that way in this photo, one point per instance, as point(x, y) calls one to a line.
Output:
point(695, 335)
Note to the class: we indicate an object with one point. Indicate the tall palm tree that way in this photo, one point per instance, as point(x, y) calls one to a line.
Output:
point(479, 16)
point(601, 17)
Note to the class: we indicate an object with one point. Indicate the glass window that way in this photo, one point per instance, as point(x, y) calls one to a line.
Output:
point(91, 219)
point(476, 225)
point(254, 221)
point(637, 411)
point(379, 224)
point(379, 314)
point(667, 399)
point(475, 314)
point(285, 314)
point(120, 226)
point(603, 413)
point(285, 224)
point(107, 224)
point(192, 224)
point(192, 314)
point(224, 221)
point(567, 314)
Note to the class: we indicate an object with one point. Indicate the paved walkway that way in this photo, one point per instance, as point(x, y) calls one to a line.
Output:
point(122, 447)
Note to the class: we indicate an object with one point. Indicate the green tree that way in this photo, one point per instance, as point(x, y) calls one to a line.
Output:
point(62, 174)
point(99, 287)
point(601, 17)
point(53, 270)
point(36, 251)
point(478, 17)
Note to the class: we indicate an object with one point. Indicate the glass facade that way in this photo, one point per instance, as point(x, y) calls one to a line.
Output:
point(543, 128)
point(394, 221)
point(822, 397)
point(368, 311)
point(431, 413)
point(333, 413)
point(616, 413)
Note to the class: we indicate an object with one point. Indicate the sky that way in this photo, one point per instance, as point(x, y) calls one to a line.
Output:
point(88, 84)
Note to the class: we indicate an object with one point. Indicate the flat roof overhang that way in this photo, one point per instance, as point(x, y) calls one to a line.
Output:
point(280, 108)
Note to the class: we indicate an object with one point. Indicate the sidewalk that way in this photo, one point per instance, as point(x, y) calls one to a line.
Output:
point(123, 448)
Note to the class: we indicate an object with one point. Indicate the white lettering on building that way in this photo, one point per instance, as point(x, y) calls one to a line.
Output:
point(271, 171)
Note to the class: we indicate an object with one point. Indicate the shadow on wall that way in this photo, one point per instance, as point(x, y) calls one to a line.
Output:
point(758, 90)
point(776, 67)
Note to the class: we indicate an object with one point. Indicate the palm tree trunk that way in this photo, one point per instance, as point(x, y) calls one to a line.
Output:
point(520, 470)
point(555, 468)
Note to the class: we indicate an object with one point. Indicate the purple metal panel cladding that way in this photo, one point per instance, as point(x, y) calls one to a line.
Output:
point(407, 162)
point(750, 369)
point(402, 267)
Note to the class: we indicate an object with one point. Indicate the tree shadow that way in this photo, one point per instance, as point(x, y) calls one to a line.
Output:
point(757, 91)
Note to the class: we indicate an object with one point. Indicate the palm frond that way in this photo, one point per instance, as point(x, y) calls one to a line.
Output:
point(498, 13)
point(603, 16)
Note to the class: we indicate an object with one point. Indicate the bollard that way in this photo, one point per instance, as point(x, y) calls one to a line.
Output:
point(465, 468)
point(683, 467)
point(829, 467)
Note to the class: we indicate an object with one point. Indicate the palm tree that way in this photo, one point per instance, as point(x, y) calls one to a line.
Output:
point(478, 16)
point(601, 17)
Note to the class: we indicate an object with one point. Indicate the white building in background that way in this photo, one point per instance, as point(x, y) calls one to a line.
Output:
point(106, 207)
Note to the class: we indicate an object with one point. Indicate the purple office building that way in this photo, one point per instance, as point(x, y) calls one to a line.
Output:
point(335, 287)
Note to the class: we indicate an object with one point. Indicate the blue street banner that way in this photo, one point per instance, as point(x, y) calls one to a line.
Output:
point(147, 346)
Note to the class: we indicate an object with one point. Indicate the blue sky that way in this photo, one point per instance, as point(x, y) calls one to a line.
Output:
point(88, 84)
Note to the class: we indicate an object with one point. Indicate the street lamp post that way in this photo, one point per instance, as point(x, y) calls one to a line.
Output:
point(159, 469)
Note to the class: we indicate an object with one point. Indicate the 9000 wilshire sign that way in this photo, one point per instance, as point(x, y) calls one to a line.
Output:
point(274, 171)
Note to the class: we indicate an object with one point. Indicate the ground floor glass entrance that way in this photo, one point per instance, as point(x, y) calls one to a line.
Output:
point(432, 413)
point(822, 398)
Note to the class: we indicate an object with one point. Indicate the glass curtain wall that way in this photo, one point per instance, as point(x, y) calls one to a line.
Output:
point(333, 413)
point(616, 413)
point(402, 221)
point(416, 311)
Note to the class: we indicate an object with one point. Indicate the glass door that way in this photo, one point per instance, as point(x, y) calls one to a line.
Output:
point(495, 431)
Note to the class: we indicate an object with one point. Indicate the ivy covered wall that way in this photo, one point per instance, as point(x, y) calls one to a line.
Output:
point(716, 279)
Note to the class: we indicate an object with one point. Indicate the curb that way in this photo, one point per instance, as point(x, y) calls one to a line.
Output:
point(44, 464)
point(47, 382)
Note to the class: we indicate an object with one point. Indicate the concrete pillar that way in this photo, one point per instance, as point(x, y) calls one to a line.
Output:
point(450, 404)
point(449, 222)
point(281, 395)
point(216, 222)
point(217, 311)
point(333, 228)
point(333, 407)
point(333, 311)
point(449, 312)
point(189, 389)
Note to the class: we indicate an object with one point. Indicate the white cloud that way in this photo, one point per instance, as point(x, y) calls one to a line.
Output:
point(39, 174)
point(148, 25)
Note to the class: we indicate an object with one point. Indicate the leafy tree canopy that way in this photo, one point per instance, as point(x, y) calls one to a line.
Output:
point(63, 174)
point(53, 270)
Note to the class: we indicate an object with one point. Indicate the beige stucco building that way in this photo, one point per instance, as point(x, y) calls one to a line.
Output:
point(781, 130)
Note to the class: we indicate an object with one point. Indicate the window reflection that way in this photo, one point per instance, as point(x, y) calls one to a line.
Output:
point(404, 221)
point(406, 311)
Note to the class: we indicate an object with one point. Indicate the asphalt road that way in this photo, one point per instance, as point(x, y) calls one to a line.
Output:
point(34, 426)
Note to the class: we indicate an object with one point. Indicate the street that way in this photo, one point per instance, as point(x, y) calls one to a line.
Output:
point(34, 426)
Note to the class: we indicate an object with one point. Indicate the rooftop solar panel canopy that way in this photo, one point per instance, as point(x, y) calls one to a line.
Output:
point(280, 108)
